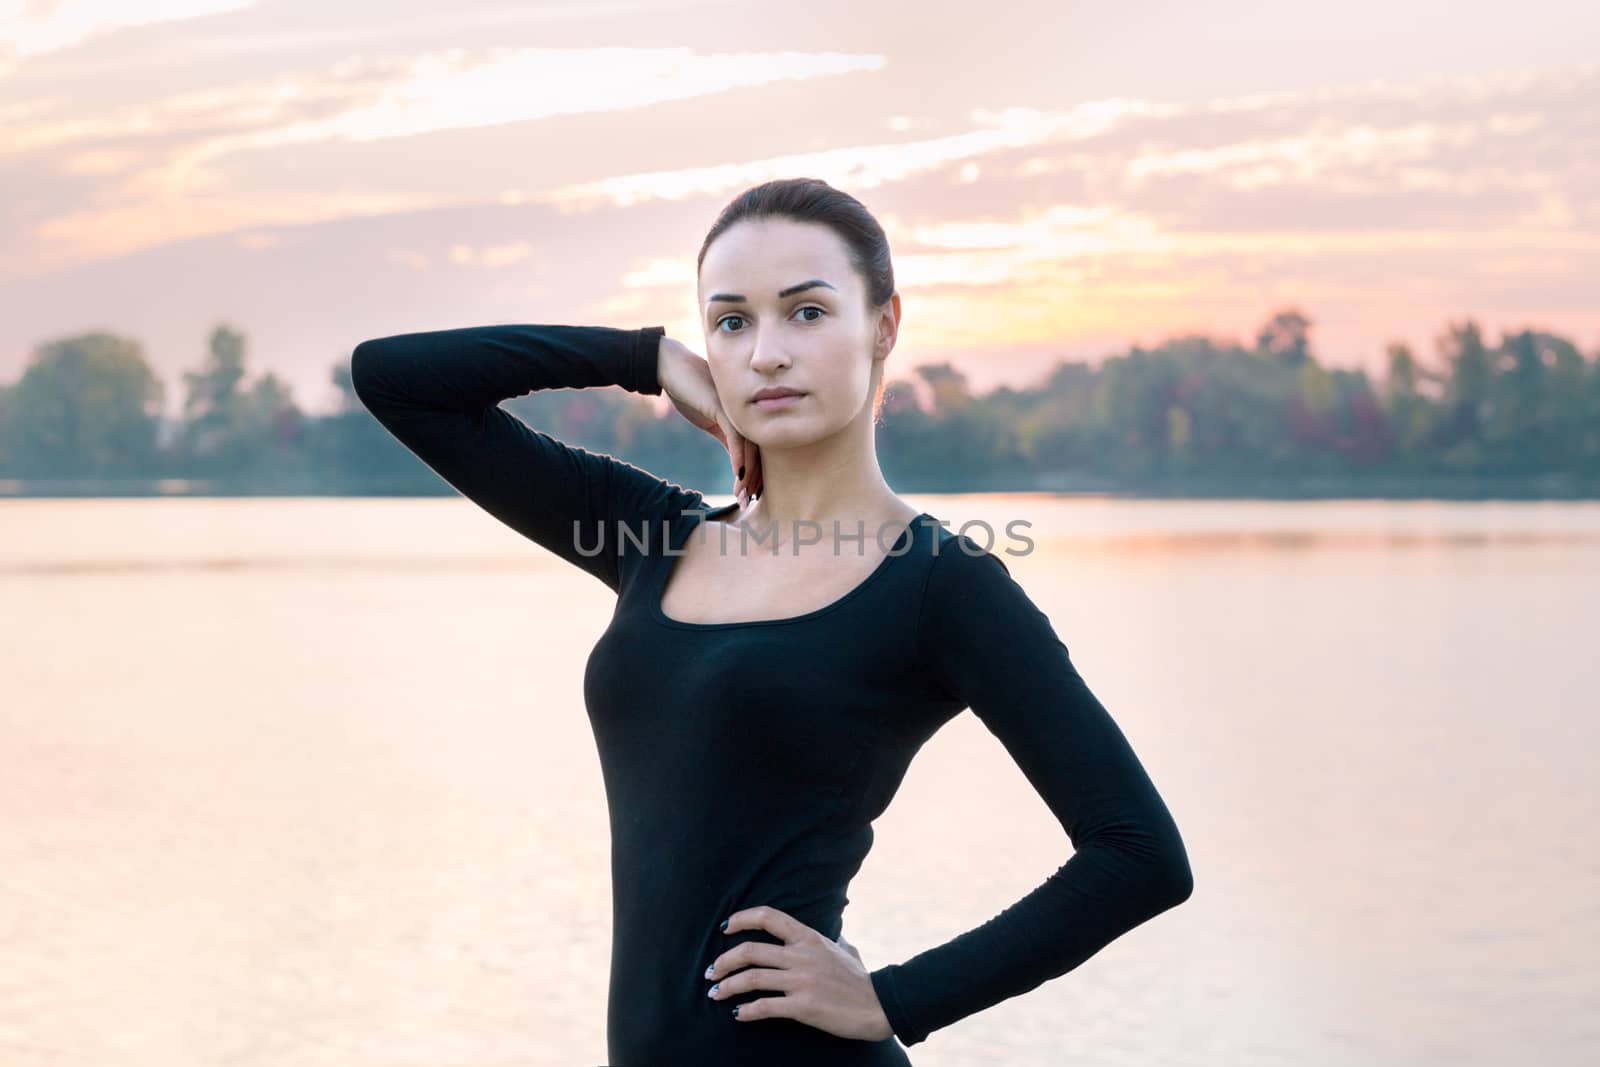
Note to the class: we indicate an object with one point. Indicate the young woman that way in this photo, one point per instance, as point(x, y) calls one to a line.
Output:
point(756, 709)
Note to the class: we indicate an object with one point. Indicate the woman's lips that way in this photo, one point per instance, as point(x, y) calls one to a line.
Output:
point(778, 403)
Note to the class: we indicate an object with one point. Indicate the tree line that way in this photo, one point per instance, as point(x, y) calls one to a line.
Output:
point(1195, 412)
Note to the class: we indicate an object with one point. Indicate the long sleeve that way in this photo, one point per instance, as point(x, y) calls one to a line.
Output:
point(438, 392)
point(989, 647)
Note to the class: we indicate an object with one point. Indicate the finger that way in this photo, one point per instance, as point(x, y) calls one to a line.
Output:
point(736, 448)
point(765, 917)
point(748, 954)
point(750, 465)
point(753, 980)
point(779, 1007)
point(742, 481)
point(754, 474)
point(736, 459)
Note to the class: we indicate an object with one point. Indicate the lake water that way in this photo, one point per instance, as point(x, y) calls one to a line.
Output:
point(309, 781)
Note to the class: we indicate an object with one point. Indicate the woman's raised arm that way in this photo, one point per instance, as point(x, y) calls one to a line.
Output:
point(438, 392)
point(989, 647)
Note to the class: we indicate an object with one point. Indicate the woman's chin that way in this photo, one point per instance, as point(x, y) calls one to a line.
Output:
point(783, 433)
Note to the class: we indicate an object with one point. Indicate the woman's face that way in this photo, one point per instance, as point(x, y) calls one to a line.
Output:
point(782, 306)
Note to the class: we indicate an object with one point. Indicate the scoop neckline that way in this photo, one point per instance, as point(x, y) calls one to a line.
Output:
point(665, 571)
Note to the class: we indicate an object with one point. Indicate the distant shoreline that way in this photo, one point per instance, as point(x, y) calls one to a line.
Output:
point(1310, 487)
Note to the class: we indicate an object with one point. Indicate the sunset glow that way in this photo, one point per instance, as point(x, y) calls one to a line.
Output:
point(494, 165)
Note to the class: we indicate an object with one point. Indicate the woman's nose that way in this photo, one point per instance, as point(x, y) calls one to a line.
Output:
point(767, 355)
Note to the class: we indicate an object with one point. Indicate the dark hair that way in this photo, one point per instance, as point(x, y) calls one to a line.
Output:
point(814, 200)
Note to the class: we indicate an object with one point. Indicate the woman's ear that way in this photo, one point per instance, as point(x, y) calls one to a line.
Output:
point(888, 326)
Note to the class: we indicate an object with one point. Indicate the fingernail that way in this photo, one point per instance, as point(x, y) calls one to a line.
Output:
point(712, 992)
point(736, 1011)
point(709, 969)
point(723, 925)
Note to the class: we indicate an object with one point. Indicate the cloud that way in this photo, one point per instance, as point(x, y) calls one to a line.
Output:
point(158, 155)
point(31, 28)
point(492, 256)
point(363, 99)
point(482, 178)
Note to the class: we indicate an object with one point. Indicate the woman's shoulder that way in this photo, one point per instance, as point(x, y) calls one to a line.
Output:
point(645, 514)
point(966, 572)
point(979, 553)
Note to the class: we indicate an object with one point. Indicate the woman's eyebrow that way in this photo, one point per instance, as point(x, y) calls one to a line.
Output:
point(738, 298)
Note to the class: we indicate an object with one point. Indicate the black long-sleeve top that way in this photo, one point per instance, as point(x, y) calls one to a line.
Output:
point(744, 762)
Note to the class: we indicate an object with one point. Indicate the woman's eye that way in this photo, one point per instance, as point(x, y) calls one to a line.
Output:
point(807, 307)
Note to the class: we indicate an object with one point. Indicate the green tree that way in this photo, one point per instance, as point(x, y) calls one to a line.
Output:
point(85, 407)
point(6, 461)
point(947, 385)
point(1408, 410)
point(270, 428)
point(212, 406)
point(233, 431)
point(1537, 390)
point(1468, 375)
point(1286, 338)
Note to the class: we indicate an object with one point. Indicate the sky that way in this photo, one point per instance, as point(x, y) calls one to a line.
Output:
point(1058, 180)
